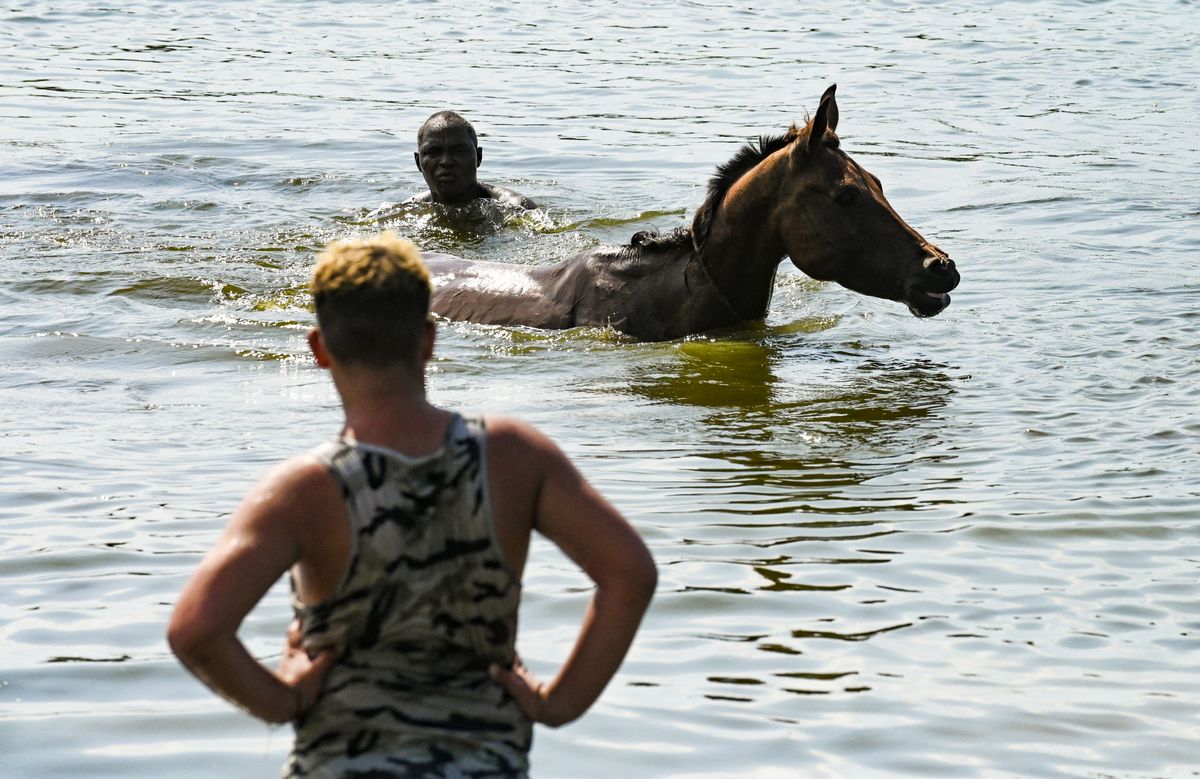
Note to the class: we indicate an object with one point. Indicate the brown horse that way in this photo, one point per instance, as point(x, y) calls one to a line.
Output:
point(797, 194)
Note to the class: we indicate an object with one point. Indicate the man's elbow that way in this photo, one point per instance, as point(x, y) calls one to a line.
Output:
point(181, 638)
point(641, 576)
point(650, 578)
point(190, 640)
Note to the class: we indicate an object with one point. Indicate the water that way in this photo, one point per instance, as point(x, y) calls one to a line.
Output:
point(965, 546)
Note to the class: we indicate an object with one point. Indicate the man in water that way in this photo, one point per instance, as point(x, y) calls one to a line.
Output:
point(406, 537)
point(449, 155)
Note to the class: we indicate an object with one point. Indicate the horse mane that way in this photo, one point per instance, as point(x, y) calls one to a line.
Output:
point(652, 239)
point(746, 159)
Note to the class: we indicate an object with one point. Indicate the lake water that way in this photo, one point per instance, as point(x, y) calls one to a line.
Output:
point(957, 547)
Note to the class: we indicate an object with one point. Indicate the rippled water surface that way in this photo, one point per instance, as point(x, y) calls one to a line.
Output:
point(964, 546)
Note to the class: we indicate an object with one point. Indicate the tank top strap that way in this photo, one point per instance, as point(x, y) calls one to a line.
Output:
point(340, 457)
point(474, 425)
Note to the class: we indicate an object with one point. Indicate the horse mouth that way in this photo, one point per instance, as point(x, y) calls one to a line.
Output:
point(929, 294)
point(927, 304)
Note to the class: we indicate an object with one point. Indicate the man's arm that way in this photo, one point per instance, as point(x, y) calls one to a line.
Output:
point(572, 514)
point(264, 538)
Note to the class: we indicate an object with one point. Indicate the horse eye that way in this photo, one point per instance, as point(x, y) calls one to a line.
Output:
point(846, 197)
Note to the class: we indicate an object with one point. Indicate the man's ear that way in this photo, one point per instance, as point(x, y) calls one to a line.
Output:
point(417, 159)
point(428, 338)
point(316, 343)
point(478, 156)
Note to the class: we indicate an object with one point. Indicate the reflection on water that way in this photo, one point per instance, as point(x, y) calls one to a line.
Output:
point(748, 389)
point(709, 373)
point(794, 494)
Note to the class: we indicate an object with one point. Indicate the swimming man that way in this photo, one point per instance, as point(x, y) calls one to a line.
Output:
point(449, 155)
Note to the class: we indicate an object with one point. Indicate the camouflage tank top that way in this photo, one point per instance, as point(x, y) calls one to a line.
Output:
point(426, 604)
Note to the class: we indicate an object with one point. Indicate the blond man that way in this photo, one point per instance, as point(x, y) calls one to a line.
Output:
point(406, 538)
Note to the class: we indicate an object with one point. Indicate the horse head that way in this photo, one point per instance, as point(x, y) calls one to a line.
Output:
point(835, 224)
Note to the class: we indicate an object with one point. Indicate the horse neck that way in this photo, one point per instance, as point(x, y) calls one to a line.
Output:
point(742, 249)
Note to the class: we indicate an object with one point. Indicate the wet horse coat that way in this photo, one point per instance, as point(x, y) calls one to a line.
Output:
point(796, 195)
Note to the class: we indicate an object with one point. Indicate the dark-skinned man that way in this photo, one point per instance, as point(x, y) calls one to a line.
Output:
point(449, 155)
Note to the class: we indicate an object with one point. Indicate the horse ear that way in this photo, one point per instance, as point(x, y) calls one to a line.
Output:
point(826, 119)
point(833, 109)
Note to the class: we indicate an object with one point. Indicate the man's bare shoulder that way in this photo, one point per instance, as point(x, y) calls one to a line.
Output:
point(487, 192)
point(293, 491)
point(302, 471)
point(509, 435)
point(508, 196)
point(519, 450)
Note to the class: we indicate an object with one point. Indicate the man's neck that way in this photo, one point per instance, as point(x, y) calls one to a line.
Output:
point(389, 408)
point(478, 192)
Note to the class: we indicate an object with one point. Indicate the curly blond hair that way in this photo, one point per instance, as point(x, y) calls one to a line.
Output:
point(372, 299)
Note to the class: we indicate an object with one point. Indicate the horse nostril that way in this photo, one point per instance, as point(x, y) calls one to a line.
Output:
point(939, 266)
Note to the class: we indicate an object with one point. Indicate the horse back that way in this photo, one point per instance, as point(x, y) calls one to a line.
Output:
point(497, 293)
